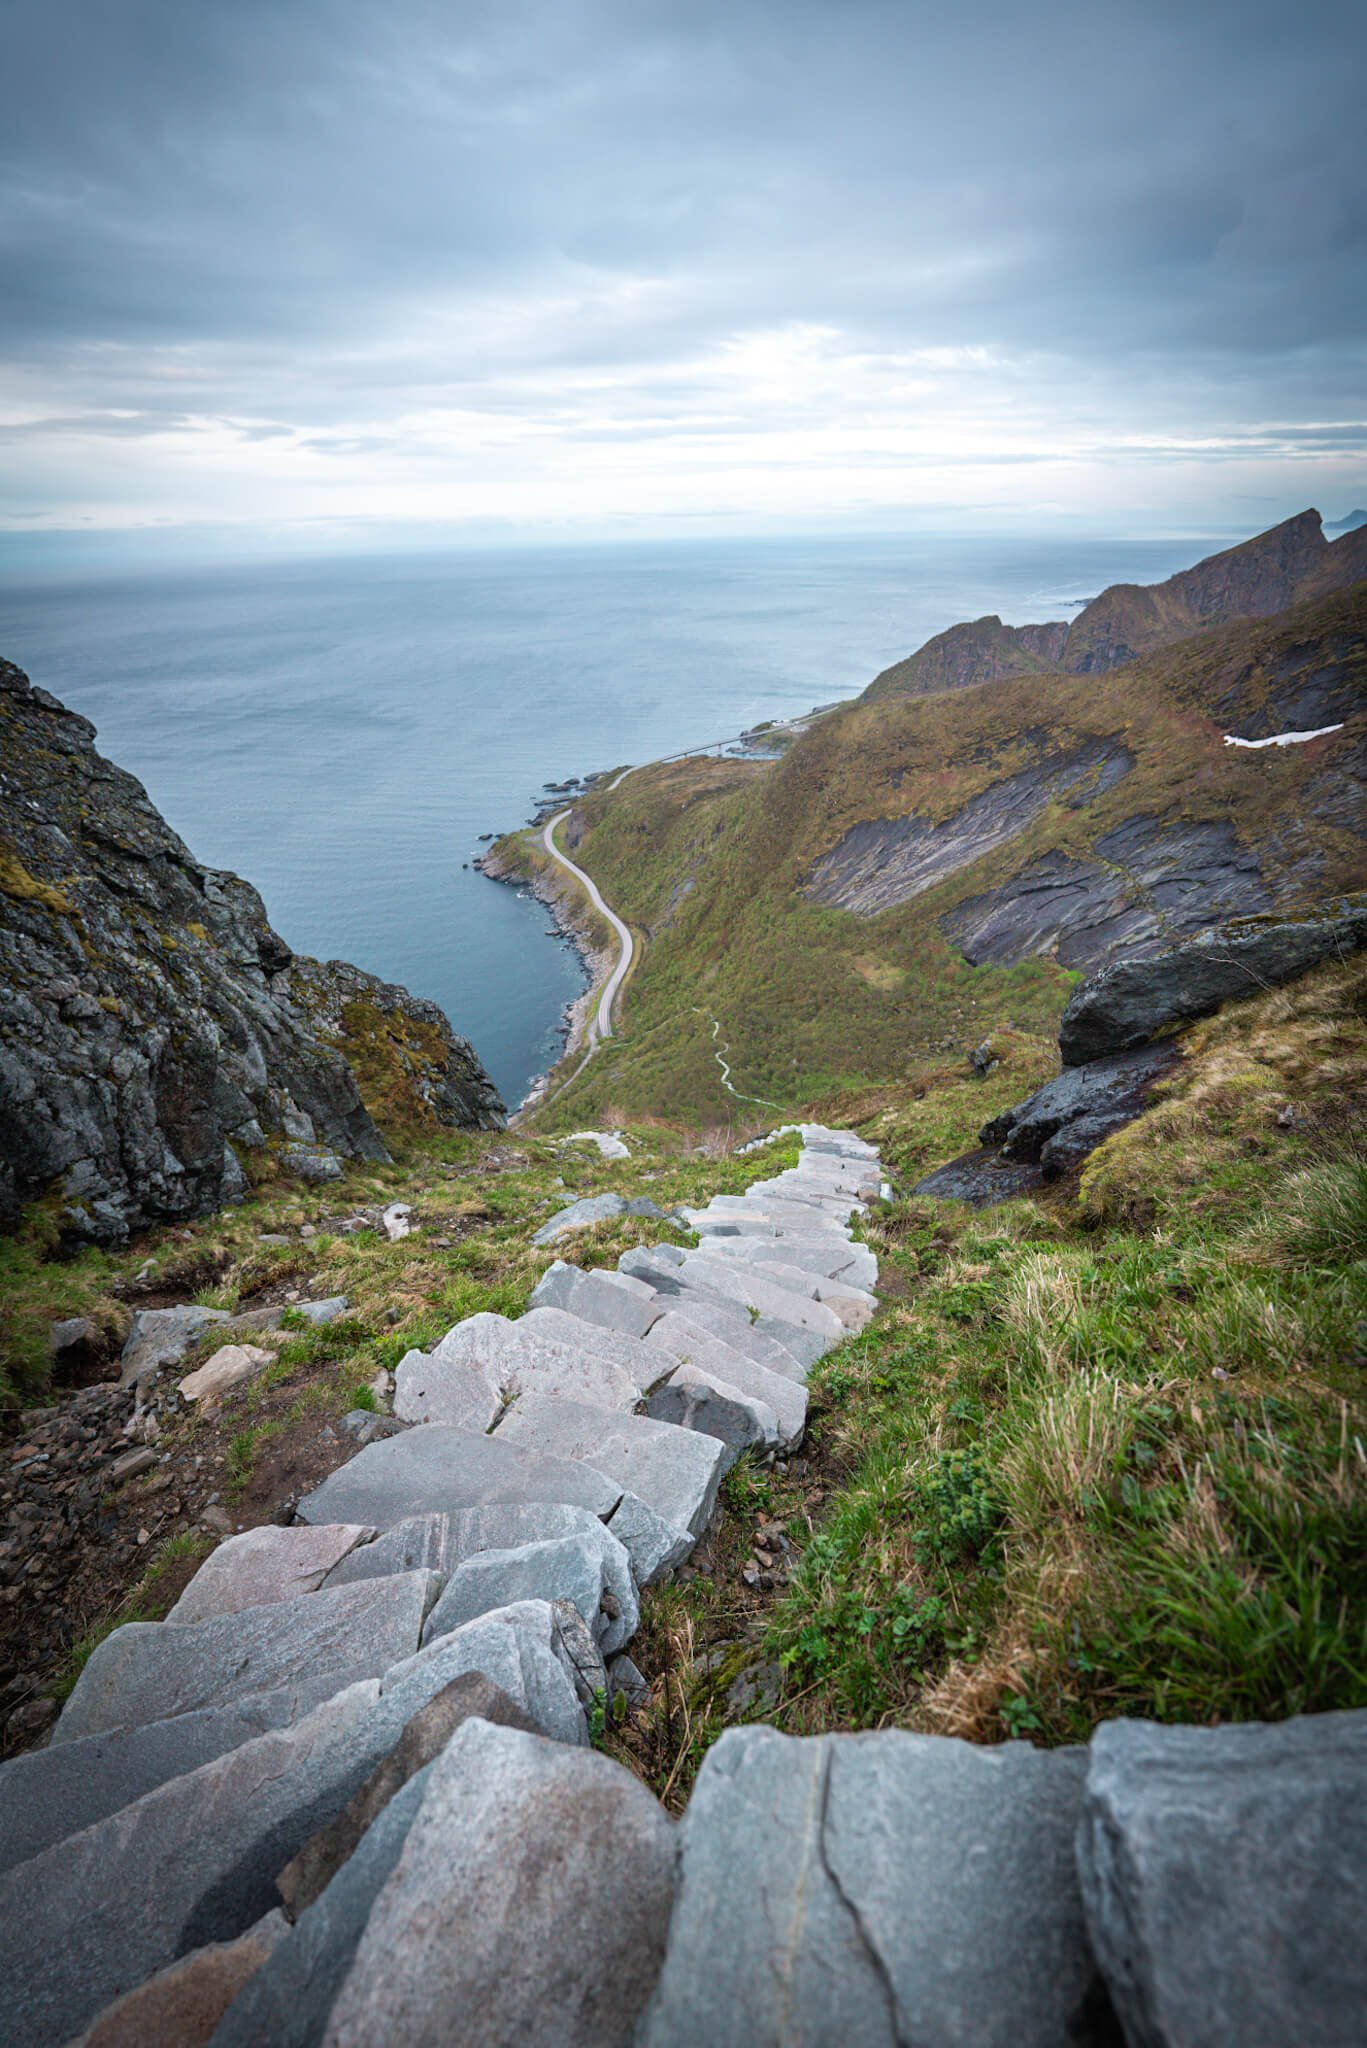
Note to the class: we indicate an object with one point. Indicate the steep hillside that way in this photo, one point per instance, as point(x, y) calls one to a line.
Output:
point(916, 869)
point(156, 1053)
point(1284, 566)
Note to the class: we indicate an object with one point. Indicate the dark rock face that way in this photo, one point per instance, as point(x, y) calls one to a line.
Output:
point(1157, 879)
point(980, 651)
point(1068, 1118)
point(1131, 1002)
point(442, 1071)
point(147, 1030)
point(882, 862)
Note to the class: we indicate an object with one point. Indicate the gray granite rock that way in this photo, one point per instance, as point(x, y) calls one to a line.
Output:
point(310, 1648)
point(545, 1351)
point(160, 1337)
point(1225, 1878)
point(624, 1678)
point(264, 1565)
point(532, 1899)
point(784, 1396)
point(437, 1469)
point(418, 1544)
point(519, 1648)
point(654, 1545)
point(696, 1317)
point(308, 1874)
point(692, 1398)
point(875, 1890)
point(582, 1567)
point(674, 1471)
point(320, 1312)
point(822, 1257)
point(578, 1216)
point(51, 1793)
point(288, 2002)
point(192, 1862)
point(457, 1392)
point(183, 2004)
point(613, 1301)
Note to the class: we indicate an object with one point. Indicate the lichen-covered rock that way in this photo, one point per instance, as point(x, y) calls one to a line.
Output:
point(409, 1062)
point(149, 1030)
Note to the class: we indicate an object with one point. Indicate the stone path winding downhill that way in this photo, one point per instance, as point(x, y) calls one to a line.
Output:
point(344, 1794)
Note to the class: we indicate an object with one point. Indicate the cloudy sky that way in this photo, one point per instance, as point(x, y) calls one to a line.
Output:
point(581, 266)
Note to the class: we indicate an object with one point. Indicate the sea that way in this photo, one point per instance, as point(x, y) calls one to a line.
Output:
point(342, 731)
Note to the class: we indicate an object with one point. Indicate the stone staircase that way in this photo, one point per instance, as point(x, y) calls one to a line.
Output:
point(345, 1794)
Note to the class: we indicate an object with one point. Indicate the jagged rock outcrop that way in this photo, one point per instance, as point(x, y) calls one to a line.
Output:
point(398, 1045)
point(150, 1039)
point(1261, 576)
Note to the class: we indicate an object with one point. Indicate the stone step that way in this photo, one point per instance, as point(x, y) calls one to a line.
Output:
point(689, 1317)
point(809, 1254)
point(488, 1360)
point(781, 1391)
point(581, 1565)
point(788, 1215)
point(751, 1286)
point(886, 1888)
point(309, 1648)
point(438, 1469)
point(676, 1472)
point(683, 1291)
point(51, 1793)
point(854, 1306)
point(613, 1301)
point(692, 1398)
point(530, 1904)
point(265, 1565)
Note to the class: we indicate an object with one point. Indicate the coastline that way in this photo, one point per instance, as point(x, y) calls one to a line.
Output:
point(568, 916)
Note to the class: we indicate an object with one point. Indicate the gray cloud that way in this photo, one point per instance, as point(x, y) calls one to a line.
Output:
point(306, 219)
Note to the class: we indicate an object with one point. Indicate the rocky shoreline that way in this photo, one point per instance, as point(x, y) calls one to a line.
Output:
point(562, 901)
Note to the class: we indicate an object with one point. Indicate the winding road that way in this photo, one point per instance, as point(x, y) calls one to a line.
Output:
point(600, 1024)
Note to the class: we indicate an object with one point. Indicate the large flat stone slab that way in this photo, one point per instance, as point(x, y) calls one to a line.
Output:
point(546, 1351)
point(264, 1565)
point(875, 1890)
point(438, 1469)
point(822, 1257)
point(55, 1792)
point(309, 1649)
point(457, 1392)
point(767, 1209)
point(612, 1301)
point(1225, 1877)
point(532, 1898)
point(420, 1543)
point(582, 1566)
point(191, 1863)
point(691, 1314)
point(754, 1291)
point(183, 2005)
point(784, 1395)
point(519, 1648)
point(674, 1471)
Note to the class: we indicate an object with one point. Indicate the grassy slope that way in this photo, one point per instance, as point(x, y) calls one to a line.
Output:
point(708, 863)
point(1097, 1455)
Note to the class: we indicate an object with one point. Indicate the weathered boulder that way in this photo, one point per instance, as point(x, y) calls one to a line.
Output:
point(674, 1471)
point(159, 1337)
point(264, 1565)
point(1133, 1001)
point(310, 1648)
point(532, 1899)
point(185, 2003)
point(1225, 1877)
point(51, 1793)
point(1082, 1104)
point(874, 1890)
point(231, 1366)
point(595, 1209)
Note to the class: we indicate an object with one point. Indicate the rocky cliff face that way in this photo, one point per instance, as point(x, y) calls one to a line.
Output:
point(1289, 563)
point(150, 1039)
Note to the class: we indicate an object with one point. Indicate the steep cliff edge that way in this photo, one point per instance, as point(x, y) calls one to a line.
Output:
point(1287, 565)
point(151, 1036)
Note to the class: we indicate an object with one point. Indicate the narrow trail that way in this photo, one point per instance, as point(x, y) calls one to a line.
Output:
point(718, 1056)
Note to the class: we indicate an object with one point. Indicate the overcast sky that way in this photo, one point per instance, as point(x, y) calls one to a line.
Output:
point(592, 267)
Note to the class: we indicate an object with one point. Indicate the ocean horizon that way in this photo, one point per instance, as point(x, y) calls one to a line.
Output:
point(341, 731)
